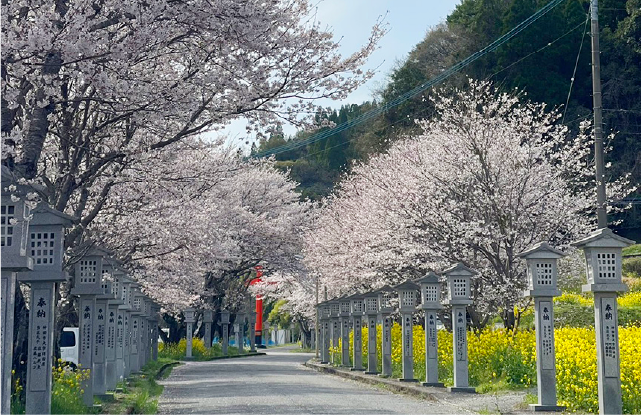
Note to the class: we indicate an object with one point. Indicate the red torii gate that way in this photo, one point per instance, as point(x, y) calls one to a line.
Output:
point(259, 307)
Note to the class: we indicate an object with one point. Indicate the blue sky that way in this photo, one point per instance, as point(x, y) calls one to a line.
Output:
point(408, 21)
point(352, 20)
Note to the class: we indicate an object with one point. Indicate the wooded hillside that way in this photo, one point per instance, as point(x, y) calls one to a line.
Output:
point(542, 61)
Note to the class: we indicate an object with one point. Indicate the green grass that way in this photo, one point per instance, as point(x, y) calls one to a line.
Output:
point(303, 350)
point(140, 394)
point(632, 250)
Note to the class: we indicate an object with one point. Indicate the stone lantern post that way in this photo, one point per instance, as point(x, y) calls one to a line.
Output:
point(344, 323)
point(114, 325)
point(100, 338)
point(319, 339)
point(88, 285)
point(155, 308)
point(189, 321)
point(541, 262)
point(407, 305)
point(208, 319)
point(239, 329)
point(431, 303)
point(123, 348)
point(602, 251)
point(14, 223)
point(111, 338)
point(143, 331)
point(135, 317)
point(335, 330)
point(371, 313)
point(251, 314)
point(224, 323)
point(459, 297)
point(324, 332)
point(385, 310)
point(46, 247)
point(357, 309)
point(146, 331)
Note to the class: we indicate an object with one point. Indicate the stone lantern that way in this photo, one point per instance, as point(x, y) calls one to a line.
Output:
point(459, 296)
point(239, 328)
point(99, 373)
point(357, 310)
point(190, 319)
point(370, 300)
point(324, 318)
point(224, 323)
point(45, 245)
point(603, 249)
point(334, 315)
point(407, 304)
point(87, 286)
point(155, 308)
point(430, 304)
point(145, 347)
point(123, 332)
point(135, 323)
point(541, 263)
point(14, 222)
point(385, 309)
point(208, 319)
point(114, 324)
point(344, 324)
point(251, 317)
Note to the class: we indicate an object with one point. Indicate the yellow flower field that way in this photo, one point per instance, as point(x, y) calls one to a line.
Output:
point(497, 356)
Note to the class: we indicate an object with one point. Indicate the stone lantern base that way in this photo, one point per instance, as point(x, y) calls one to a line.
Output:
point(546, 408)
point(454, 389)
point(433, 384)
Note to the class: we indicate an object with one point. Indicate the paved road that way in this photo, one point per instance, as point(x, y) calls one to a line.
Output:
point(278, 384)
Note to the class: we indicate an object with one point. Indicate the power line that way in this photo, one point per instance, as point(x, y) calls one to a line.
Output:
point(418, 89)
point(425, 109)
point(576, 65)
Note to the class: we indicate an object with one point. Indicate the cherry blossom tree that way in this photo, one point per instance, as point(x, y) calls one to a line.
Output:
point(92, 90)
point(489, 176)
point(198, 218)
point(87, 87)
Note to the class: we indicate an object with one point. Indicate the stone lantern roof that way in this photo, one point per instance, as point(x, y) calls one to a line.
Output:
point(603, 238)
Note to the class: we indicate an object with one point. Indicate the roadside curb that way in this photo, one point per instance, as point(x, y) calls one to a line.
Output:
point(459, 402)
point(424, 392)
point(164, 367)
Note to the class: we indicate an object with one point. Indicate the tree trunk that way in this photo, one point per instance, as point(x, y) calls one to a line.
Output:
point(176, 330)
point(307, 334)
point(509, 320)
point(20, 338)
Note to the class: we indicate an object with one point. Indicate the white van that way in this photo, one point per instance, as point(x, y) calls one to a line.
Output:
point(69, 350)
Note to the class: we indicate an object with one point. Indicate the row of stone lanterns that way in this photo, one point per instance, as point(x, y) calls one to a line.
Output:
point(32, 253)
point(208, 319)
point(602, 251)
point(377, 306)
point(118, 330)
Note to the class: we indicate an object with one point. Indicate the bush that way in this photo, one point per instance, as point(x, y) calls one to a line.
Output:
point(66, 395)
point(177, 351)
point(631, 267)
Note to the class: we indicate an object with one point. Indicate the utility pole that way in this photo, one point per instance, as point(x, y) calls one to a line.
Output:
point(316, 326)
point(602, 215)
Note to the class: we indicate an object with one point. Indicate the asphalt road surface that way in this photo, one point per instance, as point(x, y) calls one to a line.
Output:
point(278, 383)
